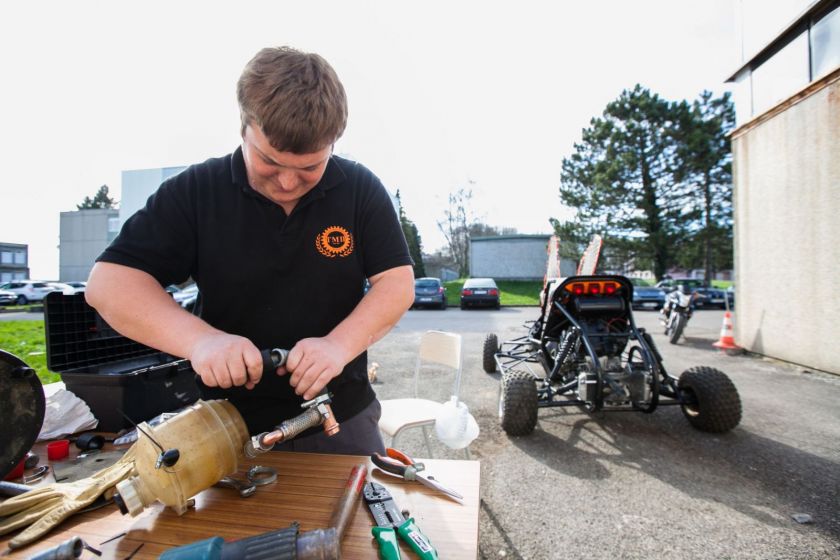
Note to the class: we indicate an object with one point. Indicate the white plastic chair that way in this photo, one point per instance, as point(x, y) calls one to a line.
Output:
point(436, 347)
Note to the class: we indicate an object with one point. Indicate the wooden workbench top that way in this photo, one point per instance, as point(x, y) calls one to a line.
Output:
point(308, 488)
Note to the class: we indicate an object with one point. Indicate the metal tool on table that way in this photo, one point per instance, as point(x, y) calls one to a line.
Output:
point(316, 412)
point(398, 463)
point(257, 476)
point(68, 550)
point(390, 523)
point(319, 544)
point(245, 489)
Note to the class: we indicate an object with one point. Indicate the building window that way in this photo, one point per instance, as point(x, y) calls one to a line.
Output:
point(6, 257)
point(782, 75)
point(20, 257)
point(113, 225)
point(825, 45)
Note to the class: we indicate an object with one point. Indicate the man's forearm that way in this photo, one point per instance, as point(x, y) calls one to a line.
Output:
point(390, 295)
point(135, 305)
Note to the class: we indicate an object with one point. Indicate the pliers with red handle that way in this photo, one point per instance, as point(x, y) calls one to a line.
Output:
point(398, 463)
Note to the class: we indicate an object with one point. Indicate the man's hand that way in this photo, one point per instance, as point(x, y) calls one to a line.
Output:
point(313, 362)
point(226, 360)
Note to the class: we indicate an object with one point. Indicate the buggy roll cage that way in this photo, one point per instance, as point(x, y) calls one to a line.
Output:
point(560, 309)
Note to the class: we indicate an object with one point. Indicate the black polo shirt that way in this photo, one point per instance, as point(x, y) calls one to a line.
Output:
point(272, 278)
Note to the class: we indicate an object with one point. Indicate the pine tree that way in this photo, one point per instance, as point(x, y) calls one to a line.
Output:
point(621, 180)
point(99, 200)
point(705, 167)
point(412, 237)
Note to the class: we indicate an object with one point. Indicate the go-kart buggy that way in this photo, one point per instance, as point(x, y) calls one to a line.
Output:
point(593, 355)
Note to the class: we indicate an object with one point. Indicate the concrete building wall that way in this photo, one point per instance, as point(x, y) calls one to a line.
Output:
point(83, 235)
point(786, 170)
point(138, 185)
point(509, 257)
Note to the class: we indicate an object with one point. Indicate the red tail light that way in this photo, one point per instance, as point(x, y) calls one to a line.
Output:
point(440, 291)
point(467, 292)
point(594, 288)
point(494, 292)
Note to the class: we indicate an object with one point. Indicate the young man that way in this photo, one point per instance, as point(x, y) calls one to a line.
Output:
point(279, 236)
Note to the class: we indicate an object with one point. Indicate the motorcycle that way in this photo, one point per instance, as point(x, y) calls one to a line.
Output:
point(676, 312)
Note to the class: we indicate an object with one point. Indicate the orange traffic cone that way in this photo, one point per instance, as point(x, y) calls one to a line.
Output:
point(727, 340)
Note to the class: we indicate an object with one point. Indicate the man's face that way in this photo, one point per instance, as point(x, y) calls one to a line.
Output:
point(282, 177)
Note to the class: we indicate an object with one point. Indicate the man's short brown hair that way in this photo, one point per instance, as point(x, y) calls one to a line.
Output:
point(296, 99)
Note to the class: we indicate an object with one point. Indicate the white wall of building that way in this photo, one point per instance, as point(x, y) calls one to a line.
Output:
point(509, 257)
point(138, 185)
point(786, 174)
point(786, 200)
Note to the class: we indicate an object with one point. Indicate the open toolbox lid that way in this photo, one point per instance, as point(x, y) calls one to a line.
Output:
point(78, 338)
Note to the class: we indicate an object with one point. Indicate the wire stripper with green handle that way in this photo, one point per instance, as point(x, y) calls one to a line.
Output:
point(390, 524)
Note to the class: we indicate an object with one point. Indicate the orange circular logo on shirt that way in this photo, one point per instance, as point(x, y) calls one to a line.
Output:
point(335, 241)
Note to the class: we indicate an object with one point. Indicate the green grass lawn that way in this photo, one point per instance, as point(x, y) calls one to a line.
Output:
point(512, 292)
point(25, 339)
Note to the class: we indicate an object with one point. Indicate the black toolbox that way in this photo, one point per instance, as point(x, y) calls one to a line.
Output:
point(114, 375)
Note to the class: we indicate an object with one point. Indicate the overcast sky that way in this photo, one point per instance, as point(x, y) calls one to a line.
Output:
point(440, 93)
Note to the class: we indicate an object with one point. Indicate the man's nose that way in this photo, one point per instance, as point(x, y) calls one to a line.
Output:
point(287, 179)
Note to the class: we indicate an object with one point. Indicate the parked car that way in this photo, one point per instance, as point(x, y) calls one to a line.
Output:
point(710, 297)
point(7, 297)
point(429, 292)
point(181, 294)
point(646, 297)
point(480, 292)
point(28, 290)
point(80, 286)
point(65, 287)
point(186, 297)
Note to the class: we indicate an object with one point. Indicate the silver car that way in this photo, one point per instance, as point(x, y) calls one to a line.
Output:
point(7, 297)
point(28, 290)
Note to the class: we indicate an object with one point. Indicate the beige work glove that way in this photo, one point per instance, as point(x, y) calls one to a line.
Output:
point(44, 508)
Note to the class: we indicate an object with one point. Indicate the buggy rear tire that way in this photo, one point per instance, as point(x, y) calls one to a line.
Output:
point(713, 402)
point(677, 328)
point(518, 403)
point(488, 355)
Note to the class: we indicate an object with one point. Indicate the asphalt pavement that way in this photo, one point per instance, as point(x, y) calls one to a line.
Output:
point(633, 485)
point(21, 316)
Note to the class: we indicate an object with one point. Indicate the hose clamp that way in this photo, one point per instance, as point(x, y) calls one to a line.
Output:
point(260, 476)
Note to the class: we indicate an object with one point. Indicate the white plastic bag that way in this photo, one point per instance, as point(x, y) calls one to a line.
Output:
point(454, 425)
point(64, 413)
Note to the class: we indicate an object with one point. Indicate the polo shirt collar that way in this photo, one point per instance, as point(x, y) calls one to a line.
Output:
point(333, 176)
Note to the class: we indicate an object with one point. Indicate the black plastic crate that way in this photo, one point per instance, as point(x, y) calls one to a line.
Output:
point(113, 374)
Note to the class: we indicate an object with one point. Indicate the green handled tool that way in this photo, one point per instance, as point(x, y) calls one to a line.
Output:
point(390, 523)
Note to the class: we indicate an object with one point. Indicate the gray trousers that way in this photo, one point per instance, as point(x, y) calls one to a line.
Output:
point(357, 436)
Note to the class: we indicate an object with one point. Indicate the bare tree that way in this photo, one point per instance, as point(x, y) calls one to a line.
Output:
point(455, 226)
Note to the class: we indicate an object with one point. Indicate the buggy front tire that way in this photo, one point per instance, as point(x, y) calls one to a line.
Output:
point(518, 403)
point(488, 355)
point(710, 400)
